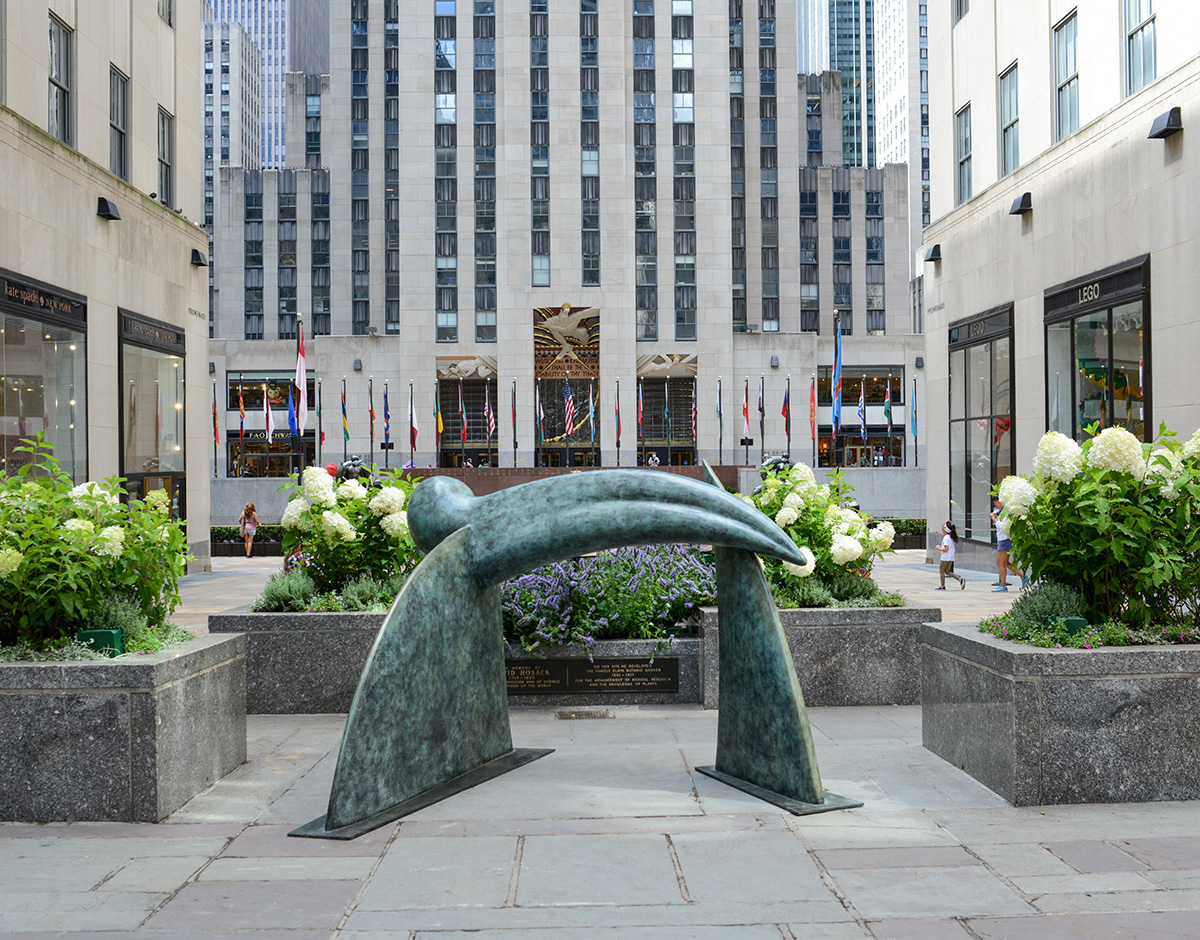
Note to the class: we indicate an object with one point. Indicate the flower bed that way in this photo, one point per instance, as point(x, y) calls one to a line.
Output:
point(1045, 726)
point(129, 739)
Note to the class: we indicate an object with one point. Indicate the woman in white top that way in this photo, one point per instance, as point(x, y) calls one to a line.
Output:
point(949, 543)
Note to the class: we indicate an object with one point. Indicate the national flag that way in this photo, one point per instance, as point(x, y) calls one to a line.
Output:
point(667, 407)
point(694, 413)
point(591, 412)
point(412, 420)
point(887, 406)
point(914, 412)
point(617, 413)
point(746, 410)
point(762, 413)
point(541, 415)
point(345, 420)
point(291, 413)
point(437, 413)
point(387, 417)
point(720, 416)
point(268, 418)
point(514, 418)
point(320, 417)
point(462, 414)
point(837, 375)
point(241, 415)
point(216, 432)
point(812, 409)
point(488, 415)
point(641, 432)
point(371, 409)
point(787, 411)
point(862, 409)
point(569, 407)
point(301, 386)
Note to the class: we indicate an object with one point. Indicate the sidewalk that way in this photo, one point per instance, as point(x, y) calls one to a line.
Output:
point(614, 836)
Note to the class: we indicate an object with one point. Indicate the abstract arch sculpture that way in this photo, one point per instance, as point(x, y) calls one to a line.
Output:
point(430, 717)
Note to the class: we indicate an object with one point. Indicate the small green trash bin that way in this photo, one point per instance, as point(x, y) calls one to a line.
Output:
point(111, 642)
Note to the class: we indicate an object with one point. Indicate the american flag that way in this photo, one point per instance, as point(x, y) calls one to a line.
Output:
point(570, 407)
point(488, 414)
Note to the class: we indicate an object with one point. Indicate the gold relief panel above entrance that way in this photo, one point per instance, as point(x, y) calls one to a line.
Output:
point(476, 367)
point(667, 366)
point(566, 342)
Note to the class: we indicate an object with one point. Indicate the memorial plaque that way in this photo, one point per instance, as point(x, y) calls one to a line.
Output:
point(551, 676)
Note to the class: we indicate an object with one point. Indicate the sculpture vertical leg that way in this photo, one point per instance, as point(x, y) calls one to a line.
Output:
point(430, 717)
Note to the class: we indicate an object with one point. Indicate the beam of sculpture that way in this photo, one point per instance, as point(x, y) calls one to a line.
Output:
point(430, 716)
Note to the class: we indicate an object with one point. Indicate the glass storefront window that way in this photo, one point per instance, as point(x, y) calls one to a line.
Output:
point(153, 410)
point(876, 379)
point(1095, 369)
point(253, 457)
point(878, 450)
point(982, 447)
point(45, 389)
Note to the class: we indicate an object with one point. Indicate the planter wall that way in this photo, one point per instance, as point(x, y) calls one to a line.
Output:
point(843, 656)
point(300, 664)
point(265, 549)
point(127, 740)
point(303, 664)
point(1044, 726)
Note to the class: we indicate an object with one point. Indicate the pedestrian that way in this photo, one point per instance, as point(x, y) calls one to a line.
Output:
point(248, 521)
point(1003, 546)
point(652, 460)
point(947, 548)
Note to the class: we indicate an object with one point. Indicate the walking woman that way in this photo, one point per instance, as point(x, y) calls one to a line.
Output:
point(947, 548)
point(248, 520)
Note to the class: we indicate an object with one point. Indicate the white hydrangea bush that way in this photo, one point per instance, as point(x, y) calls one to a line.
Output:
point(350, 529)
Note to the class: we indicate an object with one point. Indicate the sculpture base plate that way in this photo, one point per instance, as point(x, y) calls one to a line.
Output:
point(472, 778)
point(793, 806)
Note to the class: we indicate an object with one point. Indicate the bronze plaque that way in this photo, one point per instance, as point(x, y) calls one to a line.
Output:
point(548, 676)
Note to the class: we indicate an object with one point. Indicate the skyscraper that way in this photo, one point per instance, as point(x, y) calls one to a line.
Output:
point(839, 35)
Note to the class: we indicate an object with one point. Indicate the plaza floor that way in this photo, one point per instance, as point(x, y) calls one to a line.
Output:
point(614, 836)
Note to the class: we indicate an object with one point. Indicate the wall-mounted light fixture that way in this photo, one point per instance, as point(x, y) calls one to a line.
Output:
point(920, 363)
point(774, 362)
point(1022, 204)
point(212, 368)
point(1166, 124)
point(198, 258)
point(934, 253)
point(358, 365)
point(107, 209)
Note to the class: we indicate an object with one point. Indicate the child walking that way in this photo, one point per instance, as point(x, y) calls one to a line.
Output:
point(949, 542)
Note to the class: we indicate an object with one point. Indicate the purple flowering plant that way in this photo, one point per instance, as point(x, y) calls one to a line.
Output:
point(627, 593)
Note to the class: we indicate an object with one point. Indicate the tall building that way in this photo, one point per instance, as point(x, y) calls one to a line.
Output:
point(290, 35)
point(1060, 259)
point(102, 277)
point(530, 201)
point(840, 36)
point(902, 92)
point(232, 110)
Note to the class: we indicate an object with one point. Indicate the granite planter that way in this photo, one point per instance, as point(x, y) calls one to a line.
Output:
point(843, 656)
point(1044, 726)
point(127, 740)
point(306, 664)
point(300, 663)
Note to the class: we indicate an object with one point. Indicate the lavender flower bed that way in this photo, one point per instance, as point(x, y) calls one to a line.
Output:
point(637, 593)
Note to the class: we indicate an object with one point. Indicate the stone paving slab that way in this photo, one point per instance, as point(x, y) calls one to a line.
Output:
point(921, 928)
point(1163, 925)
point(1093, 856)
point(262, 905)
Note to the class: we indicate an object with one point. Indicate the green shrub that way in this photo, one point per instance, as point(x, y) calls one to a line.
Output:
point(806, 592)
point(1047, 600)
point(271, 532)
point(363, 594)
point(849, 585)
point(288, 592)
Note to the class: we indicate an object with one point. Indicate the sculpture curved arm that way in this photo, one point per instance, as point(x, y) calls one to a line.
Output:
point(524, 527)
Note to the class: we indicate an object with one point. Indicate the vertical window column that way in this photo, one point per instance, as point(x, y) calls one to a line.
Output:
point(589, 141)
point(876, 323)
point(286, 229)
point(1141, 65)
point(360, 194)
point(1010, 150)
point(1066, 78)
point(962, 138)
point(321, 325)
point(683, 118)
point(539, 153)
point(391, 165)
point(737, 161)
point(645, 182)
point(118, 131)
point(252, 261)
point(768, 164)
point(166, 158)
point(445, 173)
point(485, 171)
point(810, 254)
point(61, 68)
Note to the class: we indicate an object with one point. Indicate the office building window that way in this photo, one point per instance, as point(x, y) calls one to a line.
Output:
point(737, 158)
point(960, 9)
point(645, 183)
point(166, 158)
point(589, 138)
point(118, 124)
point(59, 123)
point(1140, 63)
point(1066, 78)
point(962, 146)
point(1010, 151)
point(539, 158)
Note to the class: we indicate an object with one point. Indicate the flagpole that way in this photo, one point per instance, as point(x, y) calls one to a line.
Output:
point(241, 429)
point(812, 417)
point(412, 442)
point(462, 427)
point(215, 431)
point(387, 430)
point(297, 441)
point(888, 463)
point(787, 397)
point(746, 418)
point(320, 423)
point(371, 415)
point(762, 414)
point(720, 427)
point(345, 425)
point(667, 415)
point(514, 422)
point(617, 408)
point(914, 424)
point(835, 391)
